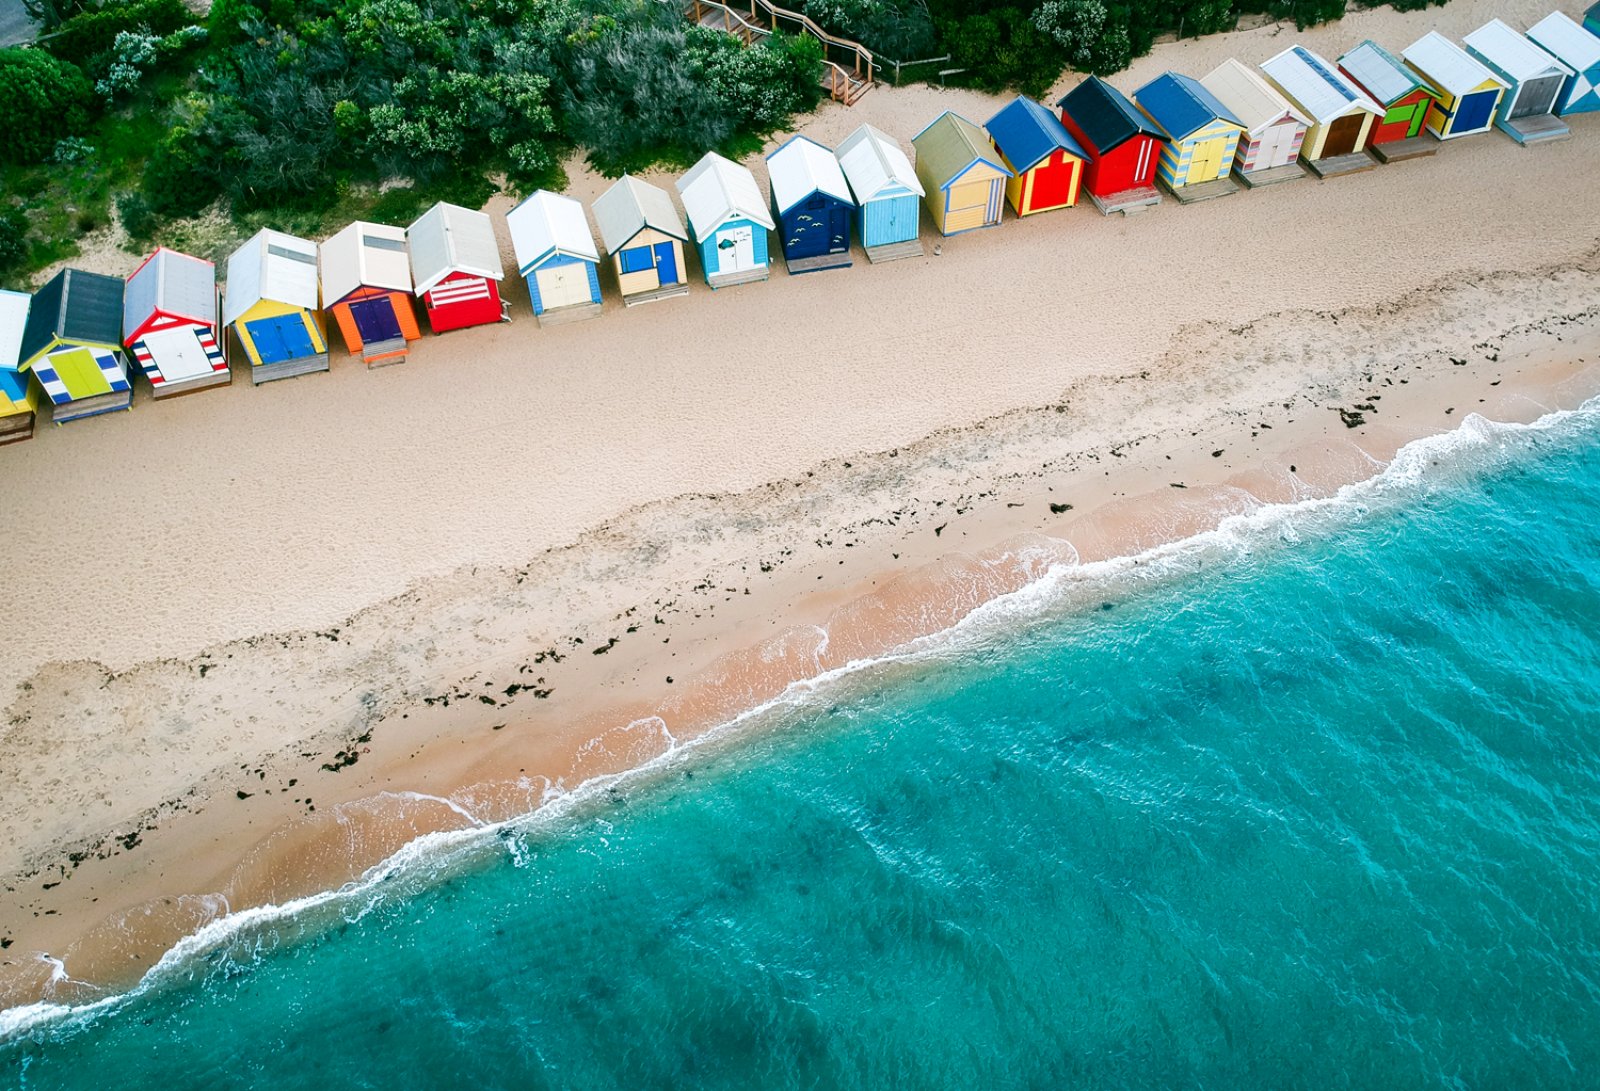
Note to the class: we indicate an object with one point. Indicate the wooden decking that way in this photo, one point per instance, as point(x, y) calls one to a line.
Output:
point(289, 369)
point(383, 353)
point(848, 66)
point(113, 402)
point(895, 251)
point(818, 262)
point(15, 428)
point(1202, 191)
point(1536, 129)
point(1127, 202)
point(747, 276)
point(664, 292)
point(560, 316)
point(1412, 147)
point(1335, 165)
point(1272, 176)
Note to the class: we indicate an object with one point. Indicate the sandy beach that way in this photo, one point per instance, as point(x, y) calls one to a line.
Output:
point(267, 635)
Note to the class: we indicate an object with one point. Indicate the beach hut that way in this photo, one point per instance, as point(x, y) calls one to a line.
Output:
point(1591, 19)
point(963, 177)
point(455, 267)
point(366, 289)
point(556, 255)
point(812, 204)
point(1123, 146)
point(1202, 134)
point(72, 343)
point(728, 219)
point(1534, 80)
point(1274, 127)
point(1558, 35)
point(1403, 94)
point(1341, 114)
point(886, 190)
point(644, 236)
point(18, 395)
point(1046, 164)
point(1465, 93)
point(270, 304)
point(169, 323)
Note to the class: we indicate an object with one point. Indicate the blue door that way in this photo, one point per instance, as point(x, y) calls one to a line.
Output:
point(375, 320)
point(296, 338)
point(1473, 111)
point(666, 264)
point(273, 337)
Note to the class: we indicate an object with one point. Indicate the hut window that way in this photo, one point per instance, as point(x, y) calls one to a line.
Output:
point(815, 202)
point(636, 260)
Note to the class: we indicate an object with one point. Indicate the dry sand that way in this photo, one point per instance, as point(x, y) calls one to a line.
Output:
point(262, 627)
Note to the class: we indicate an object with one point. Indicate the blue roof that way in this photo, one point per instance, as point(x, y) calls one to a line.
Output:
point(1029, 134)
point(1181, 105)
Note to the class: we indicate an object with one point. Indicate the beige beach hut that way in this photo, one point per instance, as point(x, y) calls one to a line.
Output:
point(1274, 127)
point(644, 236)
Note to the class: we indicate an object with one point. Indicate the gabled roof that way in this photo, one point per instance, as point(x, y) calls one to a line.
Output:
point(1105, 115)
point(13, 319)
point(172, 284)
point(75, 306)
point(1316, 86)
point(1250, 98)
point(1181, 105)
point(717, 190)
point(1380, 73)
point(1029, 134)
point(272, 266)
point(1511, 54)
point(873, 162)
point(629, 207)
point(364, 255)
point(800, 167)
point(450, 239)
point(548, 223)
point(950, 144)
point(1446, 65)
point(1567, 41)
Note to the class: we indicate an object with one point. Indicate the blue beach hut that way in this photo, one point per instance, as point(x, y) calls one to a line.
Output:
point(1579, 50)
point(556, 255)
point(728, 219)
point(887, 192)
point(1203, 134)
point(813, 206)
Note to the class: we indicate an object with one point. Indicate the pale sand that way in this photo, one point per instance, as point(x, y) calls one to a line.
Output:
point(437, 530)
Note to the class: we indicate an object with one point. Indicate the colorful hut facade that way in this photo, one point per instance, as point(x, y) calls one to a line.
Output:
point(1404, 96)
point(73, 345)
point(963, 177)
point(812, 205)
point(1591, 19)
point(169, 323)
point(1274, 128)
point(19, 397)
point(270, 305)
point(1202, 134)
point(556, 256)
point(887, 192)
point(455, 267)
point(644, 238)
point(1341, 115)
point(1568, 42)
point(1123, 145)
point(366, 289)
point(1046, 164)
point(1533, 77)
point(728, 220)
point(1465, 93)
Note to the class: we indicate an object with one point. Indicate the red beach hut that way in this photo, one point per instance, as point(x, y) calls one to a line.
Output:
point(1124, 146)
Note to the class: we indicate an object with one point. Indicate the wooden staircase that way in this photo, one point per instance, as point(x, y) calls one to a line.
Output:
point(847, 71)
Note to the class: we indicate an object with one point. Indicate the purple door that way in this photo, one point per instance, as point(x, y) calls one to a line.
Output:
point(375, 320)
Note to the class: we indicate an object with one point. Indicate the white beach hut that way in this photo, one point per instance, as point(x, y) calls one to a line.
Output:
point(729, 220)
point(1534, 80)
point(1274, 126)
point(556, 255)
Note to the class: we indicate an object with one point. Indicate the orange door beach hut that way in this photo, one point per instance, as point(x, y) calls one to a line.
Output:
point(1123, 146)
point(1046, 164)
point(169, 323)
point(644, 236)
point(73, 345)
point(1341, 114)
point(366, 288)
point(963, 176)
point(18, 395)
point(1274, 128)
point(455, 267)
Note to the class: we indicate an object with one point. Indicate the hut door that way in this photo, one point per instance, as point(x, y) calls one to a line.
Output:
point(1342, 136)
point(1473, 111)
point(736, 249)
point(1537, 97)
point(1205, 163)
point(375, 320)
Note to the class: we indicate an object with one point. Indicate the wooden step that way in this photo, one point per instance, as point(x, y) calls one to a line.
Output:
point(113, 402)
point(560, 316)
point(747, 276)
point(1536, 129)
point(289, 369)
point(818, 262)
point(1128, 201)
point(190, 386)
point(666, 291)
point(895, 251)
point(1412, 147)
point(1272, 176)
point(1202, 191)
point(1334, 166)
point(16, 427)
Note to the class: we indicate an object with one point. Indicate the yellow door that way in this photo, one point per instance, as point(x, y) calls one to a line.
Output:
point(968, 207)
point(80, 373)
point(1205, 165)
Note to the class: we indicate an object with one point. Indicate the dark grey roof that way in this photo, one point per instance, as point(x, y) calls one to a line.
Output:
point(74, 306)
point(1105, 115)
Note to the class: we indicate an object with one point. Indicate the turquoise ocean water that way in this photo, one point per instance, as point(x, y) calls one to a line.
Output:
point(1312, 801)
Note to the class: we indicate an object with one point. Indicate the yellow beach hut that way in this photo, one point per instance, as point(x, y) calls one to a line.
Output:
point(73, 345)
point(1342, 115)
point(270, 304)
point(19, 397)
point(963, 177)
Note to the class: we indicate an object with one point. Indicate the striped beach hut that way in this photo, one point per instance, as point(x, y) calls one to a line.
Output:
point(455, 267)
point(1274, 127)
point(1123, 145)
point(1534, 81)
point(1568, 42)
point(644, 236)
point(729, 221)
point(556, 255)
point(270, 304)
point(1046, 164)
point(19, 396)
point(1386, 79)
point(812, 205)
point(886, 190)
point(1465, 93)
point(963, 177)
point(169, 323)
point(366, 289)
point(72, 343)
point(1202, 133)
point(1341, 114)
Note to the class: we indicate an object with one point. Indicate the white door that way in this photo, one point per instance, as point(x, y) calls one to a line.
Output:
point(564, 285)
point(736, 249)
point(1276, 144)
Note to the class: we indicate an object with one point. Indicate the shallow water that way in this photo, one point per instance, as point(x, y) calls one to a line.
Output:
point(1311, 802)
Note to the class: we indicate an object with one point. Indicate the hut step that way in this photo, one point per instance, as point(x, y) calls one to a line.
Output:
point(289, 369)
point(1289, 172)
point(1335, 165)
point(818, 262)
point(1128, 202)
point(1203, 191)
point(112, 402)
point(561, 315)
point(895, 251)
point(189, 386)
point(1413, 147)
point(1537, 129)
point(659, 293)
point(748, 276)
point(15, 428)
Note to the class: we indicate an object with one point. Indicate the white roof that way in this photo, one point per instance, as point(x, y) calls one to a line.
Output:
point(1511, 53)
point(717, 190)
point(364, 255)
point(873, 162)
point(13, 319)
point(271, 265)
point(802, 167)
point(172, 283)
point(1446, 65)
point(1316, 86)
point(1565, 39)
point(1250, 98)
point(548, 223)
point(450, 239)
point(629, 207)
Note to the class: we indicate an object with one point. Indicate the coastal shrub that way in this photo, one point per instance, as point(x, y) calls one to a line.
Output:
point(88, 38)
point(136, 217)
point(46, 100)
point(1089, 38)
point(13, 240)
point(897, 29)
point(180, 178)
